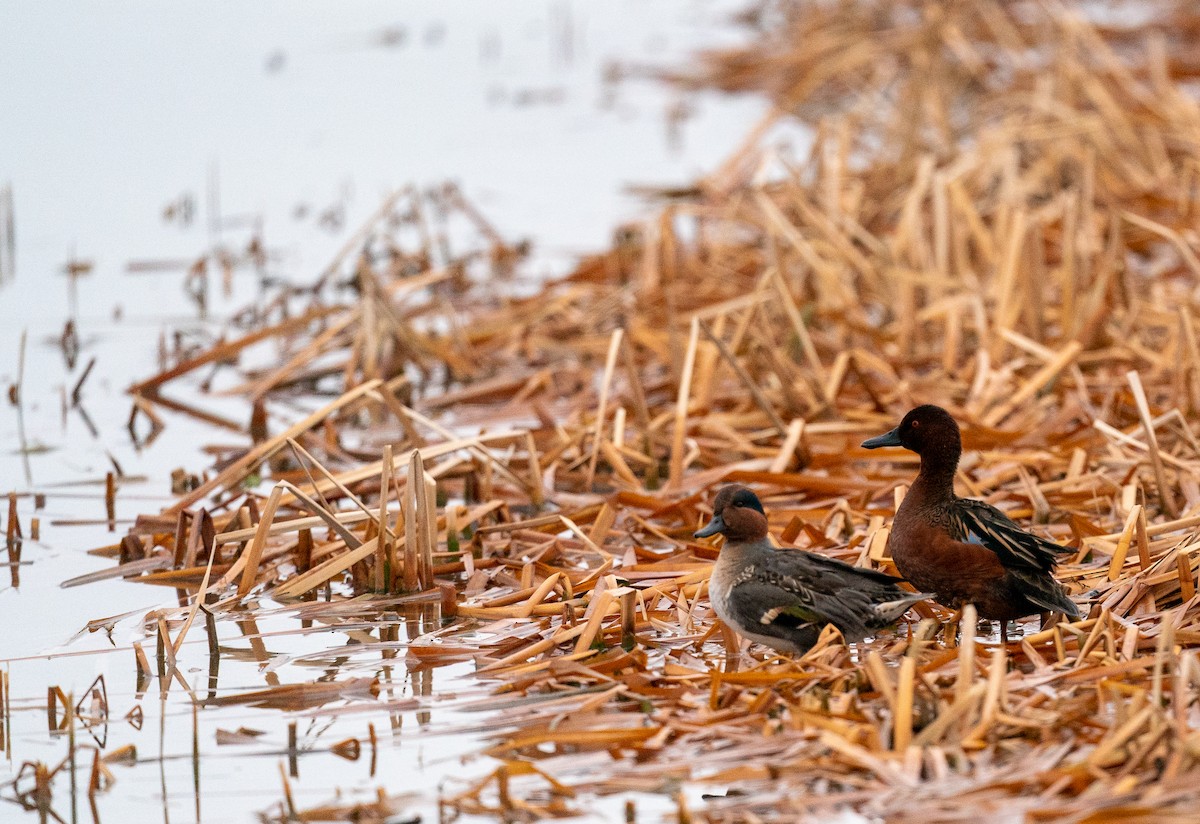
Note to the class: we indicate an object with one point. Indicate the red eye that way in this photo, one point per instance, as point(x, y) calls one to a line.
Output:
point(915, 424)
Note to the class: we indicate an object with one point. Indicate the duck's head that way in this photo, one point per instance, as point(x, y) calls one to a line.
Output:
point(925, 430)
point(737, 514)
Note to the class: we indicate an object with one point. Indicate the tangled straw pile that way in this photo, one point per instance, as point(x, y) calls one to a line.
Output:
point(996, 214)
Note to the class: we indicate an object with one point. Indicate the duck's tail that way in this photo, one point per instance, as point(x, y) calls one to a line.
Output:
point(890, 611)
point(1047, 593)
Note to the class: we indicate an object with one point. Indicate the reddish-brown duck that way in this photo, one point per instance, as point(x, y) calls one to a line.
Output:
point(966, 551)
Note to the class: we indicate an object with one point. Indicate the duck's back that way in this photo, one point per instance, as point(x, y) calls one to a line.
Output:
point(783, 592)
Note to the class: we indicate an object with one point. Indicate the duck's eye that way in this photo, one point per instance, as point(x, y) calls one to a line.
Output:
point(914, 424)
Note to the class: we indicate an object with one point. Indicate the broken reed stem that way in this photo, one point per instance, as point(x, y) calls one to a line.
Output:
point(429, 513)
point(77, 390)
point(675, 477)
point(599, 609)
point(902, 734)
point(253, 553)
point(384, 552)
point(968, 621)
point(293, 752)
point(237, 471)
point(412, 577)
point(71, 761)
point(1139, 396)
point(420, 497)
point(332, 479)
point(110, 500)
point(610, 364)
point(289, 800)
point(799, 328)
point(326, 570)
point(12, 528)
point(214, 647)
point(1187, 584)
point(791, 444)
point(536, 494)
point(476, 447)
point(1143, 539)
point(751, 385)
point(198, 601)
point(1035, 384)
point(1117, 564)
point(628, 620)
point(142, 663)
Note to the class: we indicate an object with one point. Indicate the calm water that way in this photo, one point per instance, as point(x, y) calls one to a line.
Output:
point(293, 119)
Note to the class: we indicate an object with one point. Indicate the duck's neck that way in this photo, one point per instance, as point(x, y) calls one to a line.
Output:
point(936, 478)
point(739, 552)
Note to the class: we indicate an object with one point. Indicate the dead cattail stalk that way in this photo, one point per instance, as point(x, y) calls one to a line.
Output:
point(12, 530)
point(253, 553)
point(1143, 539)
point(675, 477)
point(1187, 584)
point(752, 387)
point(1117, 564)
point(628, 620)
point(110, 500)
point(384, 553)
point(1143, 407)
point(236, 471)
point(418, 537)
point(902, 734)
point(288, 799)
point(610, 363)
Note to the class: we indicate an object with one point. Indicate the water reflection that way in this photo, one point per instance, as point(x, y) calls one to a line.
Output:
point(361, 680)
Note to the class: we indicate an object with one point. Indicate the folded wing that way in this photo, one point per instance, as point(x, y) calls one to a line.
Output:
point(980, 523)
point(799, 592)
point(1027, 557)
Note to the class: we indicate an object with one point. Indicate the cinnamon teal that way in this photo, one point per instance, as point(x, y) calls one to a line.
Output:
point(784, 598)
point(963, 550)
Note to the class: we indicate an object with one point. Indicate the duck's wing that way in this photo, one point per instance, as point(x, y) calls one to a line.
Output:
point(758, 607)
point(980, 523)
point(793, 590)
point(1047, 593)
point(801, 562)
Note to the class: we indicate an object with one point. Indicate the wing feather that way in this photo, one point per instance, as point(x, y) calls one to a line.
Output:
point(1047, 593)
point(797, 589)
point(981, 523)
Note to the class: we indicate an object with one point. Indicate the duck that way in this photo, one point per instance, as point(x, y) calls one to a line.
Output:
point(963, 550)
point(783, 598)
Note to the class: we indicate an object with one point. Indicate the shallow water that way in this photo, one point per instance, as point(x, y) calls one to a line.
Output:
point(292, 119)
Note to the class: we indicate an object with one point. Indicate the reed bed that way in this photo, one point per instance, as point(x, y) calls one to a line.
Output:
point(996, 213)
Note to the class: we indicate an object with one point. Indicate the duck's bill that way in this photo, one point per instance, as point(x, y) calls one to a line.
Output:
point(717, 524)
point(886, 439)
